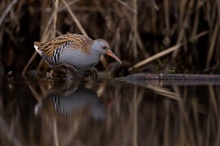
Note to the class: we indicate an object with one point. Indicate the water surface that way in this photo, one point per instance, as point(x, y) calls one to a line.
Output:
point(108, 112)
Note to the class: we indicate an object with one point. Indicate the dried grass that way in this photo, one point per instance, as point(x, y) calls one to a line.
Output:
point(134, 29)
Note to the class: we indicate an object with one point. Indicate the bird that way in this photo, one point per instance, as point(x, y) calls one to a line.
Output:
point(76, 51)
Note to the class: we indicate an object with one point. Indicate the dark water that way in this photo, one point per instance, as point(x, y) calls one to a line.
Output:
point(106, 112)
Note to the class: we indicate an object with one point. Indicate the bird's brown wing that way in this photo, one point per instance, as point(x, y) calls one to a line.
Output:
point(73, 41)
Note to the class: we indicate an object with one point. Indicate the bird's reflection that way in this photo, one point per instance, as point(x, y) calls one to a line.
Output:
point(68, 98)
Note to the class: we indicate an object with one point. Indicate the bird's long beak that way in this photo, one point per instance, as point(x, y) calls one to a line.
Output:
point(110, 53)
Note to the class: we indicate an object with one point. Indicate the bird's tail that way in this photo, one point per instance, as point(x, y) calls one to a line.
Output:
point(36, 46)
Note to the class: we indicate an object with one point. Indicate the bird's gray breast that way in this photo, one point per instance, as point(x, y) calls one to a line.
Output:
point(79, 59)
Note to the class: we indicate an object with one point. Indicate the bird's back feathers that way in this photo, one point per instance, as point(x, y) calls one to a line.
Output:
point(72, 41)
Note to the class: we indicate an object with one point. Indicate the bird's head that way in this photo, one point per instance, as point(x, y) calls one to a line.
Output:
point(103, 48)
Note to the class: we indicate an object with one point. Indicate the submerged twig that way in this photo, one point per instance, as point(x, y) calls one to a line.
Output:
point(172, 77)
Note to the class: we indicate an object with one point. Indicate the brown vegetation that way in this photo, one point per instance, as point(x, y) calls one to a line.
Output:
point(135, 30)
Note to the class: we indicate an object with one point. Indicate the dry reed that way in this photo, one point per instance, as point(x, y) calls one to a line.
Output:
point(135, 30)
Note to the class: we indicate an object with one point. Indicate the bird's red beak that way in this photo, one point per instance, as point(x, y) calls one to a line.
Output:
point(110, 53)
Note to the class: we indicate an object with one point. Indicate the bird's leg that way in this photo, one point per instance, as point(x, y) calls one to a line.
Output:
point(72, 69)
point(50, 75)
point(67, 68)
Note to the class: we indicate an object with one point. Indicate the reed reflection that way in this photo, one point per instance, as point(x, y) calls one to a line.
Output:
point(109, 112)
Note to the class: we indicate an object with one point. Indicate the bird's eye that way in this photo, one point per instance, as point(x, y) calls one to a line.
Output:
point(104, 47)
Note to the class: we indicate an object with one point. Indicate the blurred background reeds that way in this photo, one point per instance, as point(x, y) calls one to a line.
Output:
point(136, 30)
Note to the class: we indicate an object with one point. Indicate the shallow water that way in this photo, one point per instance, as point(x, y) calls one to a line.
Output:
point(108, 112)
